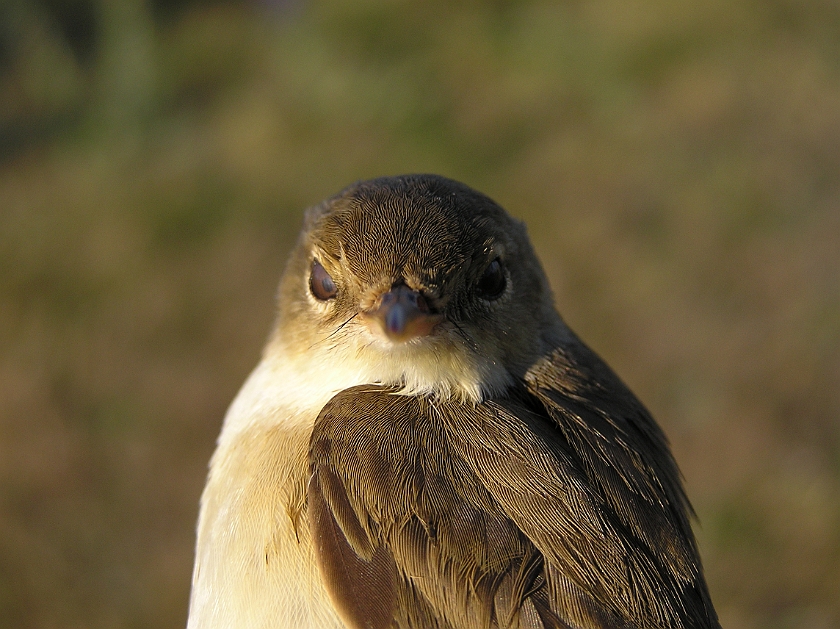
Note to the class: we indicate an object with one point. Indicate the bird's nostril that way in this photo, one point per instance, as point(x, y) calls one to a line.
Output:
point(421, 303)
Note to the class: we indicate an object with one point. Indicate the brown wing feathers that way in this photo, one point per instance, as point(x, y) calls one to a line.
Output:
point(626, 459)
point(541, 511)
point(361, 577)
point(460, 561)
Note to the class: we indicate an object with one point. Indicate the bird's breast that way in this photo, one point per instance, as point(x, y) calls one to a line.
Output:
point(255, 565)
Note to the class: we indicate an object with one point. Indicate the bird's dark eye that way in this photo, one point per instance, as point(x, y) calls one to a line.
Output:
point(492, 282)
point(320, 282)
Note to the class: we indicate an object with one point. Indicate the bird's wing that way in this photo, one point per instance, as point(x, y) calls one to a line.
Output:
point(405, 533)
point(643, 562)
point(530, 511)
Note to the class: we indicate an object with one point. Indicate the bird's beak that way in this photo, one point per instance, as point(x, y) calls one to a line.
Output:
point(403, 314)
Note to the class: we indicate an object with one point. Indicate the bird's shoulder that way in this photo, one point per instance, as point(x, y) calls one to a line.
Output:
point(557, 504)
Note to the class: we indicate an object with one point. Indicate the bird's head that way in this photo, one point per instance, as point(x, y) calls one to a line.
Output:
point(419, 282)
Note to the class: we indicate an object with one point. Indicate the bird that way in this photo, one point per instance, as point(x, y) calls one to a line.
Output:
point(426, 444)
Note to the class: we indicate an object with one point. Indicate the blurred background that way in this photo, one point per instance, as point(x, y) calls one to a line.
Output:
point(678, 164)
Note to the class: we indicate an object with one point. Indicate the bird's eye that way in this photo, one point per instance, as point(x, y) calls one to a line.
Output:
point(320, 282)
point(492, 283)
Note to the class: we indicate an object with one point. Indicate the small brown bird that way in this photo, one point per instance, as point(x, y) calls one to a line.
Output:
point(425, 444)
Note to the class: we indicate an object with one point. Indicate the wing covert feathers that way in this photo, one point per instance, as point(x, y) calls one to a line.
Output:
point(558, 506)
point(360, 578)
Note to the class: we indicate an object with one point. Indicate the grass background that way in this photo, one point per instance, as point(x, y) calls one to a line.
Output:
point(678, 164)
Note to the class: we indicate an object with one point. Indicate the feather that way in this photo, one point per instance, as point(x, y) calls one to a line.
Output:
point(498, 514)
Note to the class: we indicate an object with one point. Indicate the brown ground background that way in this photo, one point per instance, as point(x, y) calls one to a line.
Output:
point(678, 164)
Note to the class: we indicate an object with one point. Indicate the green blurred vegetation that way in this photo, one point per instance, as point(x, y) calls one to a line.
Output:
point(678, 165)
